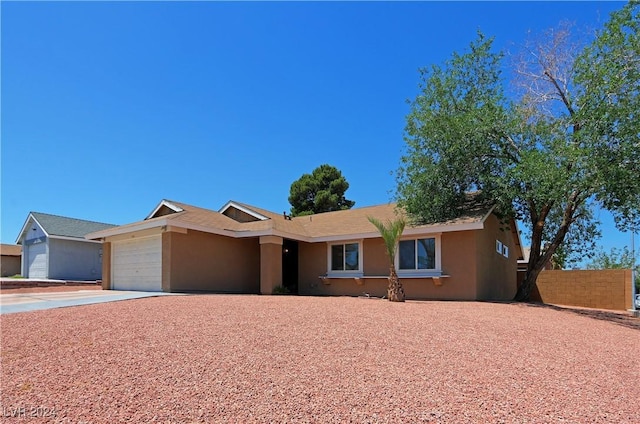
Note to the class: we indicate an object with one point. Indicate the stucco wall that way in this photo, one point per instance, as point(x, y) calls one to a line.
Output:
point(497, 274)
point(270, 263)
point(74, 260)
point(10, 265)
point(458, 261)
point(601, 289)
point(312, 262)
point(198, 261)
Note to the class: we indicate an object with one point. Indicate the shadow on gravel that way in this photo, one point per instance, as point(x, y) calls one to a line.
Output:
point(620, 318)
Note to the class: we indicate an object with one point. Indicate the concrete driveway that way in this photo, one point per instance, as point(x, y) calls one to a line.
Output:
point(25, 302)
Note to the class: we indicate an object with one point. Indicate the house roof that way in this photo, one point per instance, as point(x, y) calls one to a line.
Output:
point(62, 226)
point(337, 225)
point(10, 250)
point(355, 221)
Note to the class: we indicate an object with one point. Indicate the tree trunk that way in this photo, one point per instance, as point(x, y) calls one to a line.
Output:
point(537, 263)
point(525, 289)
point(395, 292)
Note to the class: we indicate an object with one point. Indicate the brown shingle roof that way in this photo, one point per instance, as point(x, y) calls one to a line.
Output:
point(277, 221)
point(328, 224)
point(355, 221)
point(203, 217)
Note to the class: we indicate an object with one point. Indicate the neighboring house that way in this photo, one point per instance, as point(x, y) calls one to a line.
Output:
point(244, 249)
point(10, 260)
point(55, 247)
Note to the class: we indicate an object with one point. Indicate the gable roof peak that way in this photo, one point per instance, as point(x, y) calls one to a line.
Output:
point(165, 204)
point(247, 209)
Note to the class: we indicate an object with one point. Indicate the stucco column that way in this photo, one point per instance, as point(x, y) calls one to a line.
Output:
point(270, 263)
point(166, 260)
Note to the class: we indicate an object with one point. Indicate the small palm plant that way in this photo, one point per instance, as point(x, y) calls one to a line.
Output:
point(391, 232)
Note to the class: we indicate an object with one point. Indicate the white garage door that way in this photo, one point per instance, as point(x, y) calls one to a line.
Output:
point(137, 264)
point(37, 260)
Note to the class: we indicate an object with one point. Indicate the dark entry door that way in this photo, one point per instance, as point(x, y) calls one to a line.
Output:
point(290, 265)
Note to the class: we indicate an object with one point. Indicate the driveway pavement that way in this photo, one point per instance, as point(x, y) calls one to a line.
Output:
point(25, 302)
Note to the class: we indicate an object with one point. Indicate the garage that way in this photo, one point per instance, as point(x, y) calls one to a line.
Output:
point(137, 264)
point(37, 260)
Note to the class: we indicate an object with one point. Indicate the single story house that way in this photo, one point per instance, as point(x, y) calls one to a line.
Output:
point(245, 249)
point(10, 255)
point(55, 247)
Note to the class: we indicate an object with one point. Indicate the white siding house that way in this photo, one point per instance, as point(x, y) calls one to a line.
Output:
point(54, 247)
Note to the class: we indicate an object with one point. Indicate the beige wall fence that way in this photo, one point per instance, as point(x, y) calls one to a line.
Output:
point(600, 289)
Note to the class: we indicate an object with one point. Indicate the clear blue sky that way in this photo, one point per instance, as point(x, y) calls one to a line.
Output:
point(109, 107)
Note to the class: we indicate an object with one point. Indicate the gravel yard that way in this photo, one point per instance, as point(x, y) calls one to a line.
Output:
point(223, 358)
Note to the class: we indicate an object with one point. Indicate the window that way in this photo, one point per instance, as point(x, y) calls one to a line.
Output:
point(417, 254)
point(345, 257)
point(502, 249)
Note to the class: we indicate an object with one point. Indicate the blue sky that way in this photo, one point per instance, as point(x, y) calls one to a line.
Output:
point(109, 107)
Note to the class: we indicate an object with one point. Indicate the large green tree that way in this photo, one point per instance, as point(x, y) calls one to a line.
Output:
point(321, 191)
point(560, 140)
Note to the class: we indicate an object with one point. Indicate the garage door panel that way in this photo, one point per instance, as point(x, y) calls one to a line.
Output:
point(137, 264)
point(37, 257)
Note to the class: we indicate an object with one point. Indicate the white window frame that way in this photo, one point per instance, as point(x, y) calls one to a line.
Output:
point(499, 246)
point(505, 250)
point(350, 272)
point(421, 272)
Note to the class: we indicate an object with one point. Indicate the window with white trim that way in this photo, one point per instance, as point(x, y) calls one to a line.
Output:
point(502, 248)
point(345, 257)
point(417, 254)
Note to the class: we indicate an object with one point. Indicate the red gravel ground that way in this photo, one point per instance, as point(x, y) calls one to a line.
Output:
point(217, 358)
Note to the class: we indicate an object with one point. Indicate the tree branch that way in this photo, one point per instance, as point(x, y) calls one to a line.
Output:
point(560, 92)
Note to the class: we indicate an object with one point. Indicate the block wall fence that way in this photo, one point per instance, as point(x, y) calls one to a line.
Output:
point(599, 289)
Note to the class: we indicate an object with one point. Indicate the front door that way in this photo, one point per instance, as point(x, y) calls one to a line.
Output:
point(290, 265)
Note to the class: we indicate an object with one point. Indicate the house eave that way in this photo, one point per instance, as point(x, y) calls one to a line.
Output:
point(80, 239)
point(142, 225)
point(202, 228)
point(436, 229)
point(146, 225)
point(272, 232)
